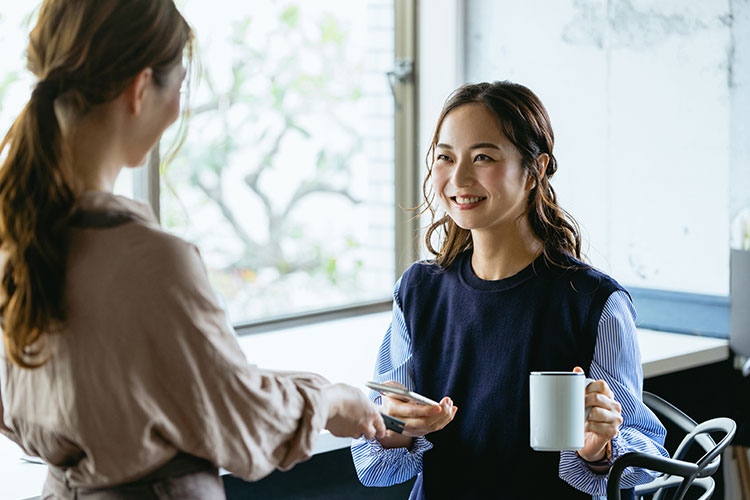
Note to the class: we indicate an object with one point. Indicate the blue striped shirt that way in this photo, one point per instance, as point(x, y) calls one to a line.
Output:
point(616, 360)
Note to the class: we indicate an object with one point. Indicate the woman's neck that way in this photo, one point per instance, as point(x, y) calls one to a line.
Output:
point(95, 156)
point(499, 254)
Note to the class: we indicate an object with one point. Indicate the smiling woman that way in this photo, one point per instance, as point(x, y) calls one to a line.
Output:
point(507, 294)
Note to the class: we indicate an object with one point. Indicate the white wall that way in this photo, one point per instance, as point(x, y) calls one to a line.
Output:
point(739, 92)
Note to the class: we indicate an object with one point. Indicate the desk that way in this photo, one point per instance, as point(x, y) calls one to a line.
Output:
point(663, 352)
point(349, 356)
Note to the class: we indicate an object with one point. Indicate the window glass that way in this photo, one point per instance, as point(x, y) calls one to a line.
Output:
point(285, 181)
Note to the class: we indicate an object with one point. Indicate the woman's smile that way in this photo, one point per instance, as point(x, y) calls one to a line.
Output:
point(467, 202)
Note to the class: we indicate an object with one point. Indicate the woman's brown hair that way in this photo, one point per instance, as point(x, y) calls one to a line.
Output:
point(524, 121)
point(84, 53)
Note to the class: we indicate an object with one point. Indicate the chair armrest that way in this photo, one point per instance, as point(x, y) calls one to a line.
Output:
point(667, 410)
point(706, 466)
point(646, 461)
point(710, 461)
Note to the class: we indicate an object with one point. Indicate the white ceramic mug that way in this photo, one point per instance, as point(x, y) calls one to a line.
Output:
point(557, 410)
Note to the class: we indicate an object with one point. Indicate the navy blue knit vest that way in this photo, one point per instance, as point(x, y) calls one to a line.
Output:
point(476, 341)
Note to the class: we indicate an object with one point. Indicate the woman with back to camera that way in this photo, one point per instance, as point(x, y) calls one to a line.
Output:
point(505, 295)
point(119, 368)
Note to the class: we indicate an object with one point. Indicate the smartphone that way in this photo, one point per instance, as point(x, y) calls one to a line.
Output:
point(393, 423)
point(402, 394)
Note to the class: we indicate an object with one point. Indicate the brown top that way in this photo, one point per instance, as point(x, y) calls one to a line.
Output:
point(147, 365)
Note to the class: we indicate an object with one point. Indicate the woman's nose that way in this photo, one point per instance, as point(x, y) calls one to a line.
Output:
point(463, 173)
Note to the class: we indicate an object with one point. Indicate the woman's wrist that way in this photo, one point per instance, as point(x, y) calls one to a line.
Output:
point(394, 440)
point(604, 461)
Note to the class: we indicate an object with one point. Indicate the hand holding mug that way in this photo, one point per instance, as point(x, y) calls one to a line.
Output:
point(567, 411)
point(603, 419)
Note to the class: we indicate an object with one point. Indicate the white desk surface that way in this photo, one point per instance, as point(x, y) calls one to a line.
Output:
point(345, 352)
point(663, 352)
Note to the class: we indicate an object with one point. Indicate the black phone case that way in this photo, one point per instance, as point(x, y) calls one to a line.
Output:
point(393, 423)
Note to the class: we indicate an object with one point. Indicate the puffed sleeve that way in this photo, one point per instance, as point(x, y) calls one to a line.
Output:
point(617, 361)
point(194, 381)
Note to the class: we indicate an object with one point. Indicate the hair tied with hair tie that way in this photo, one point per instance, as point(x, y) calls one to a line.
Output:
point(46, 89)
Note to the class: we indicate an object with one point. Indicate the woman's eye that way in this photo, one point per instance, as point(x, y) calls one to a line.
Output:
point(482, 157)
point(443, 158)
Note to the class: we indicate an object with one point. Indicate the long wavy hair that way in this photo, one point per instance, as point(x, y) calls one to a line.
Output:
point(524, 121)
point(84, 53)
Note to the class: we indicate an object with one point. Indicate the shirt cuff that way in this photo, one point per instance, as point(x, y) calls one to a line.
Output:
point(574, 470)
point(419, 446)
point(378, 466)
point(618, 448)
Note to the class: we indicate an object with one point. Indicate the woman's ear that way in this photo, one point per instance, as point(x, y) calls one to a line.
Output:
point(136, 91)
point(542, 160)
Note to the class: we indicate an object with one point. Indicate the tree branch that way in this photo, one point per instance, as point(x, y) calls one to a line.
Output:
point(229, 216)
point(313, 187)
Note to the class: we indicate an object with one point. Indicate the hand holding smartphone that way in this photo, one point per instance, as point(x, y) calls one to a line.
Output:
point(401, 394)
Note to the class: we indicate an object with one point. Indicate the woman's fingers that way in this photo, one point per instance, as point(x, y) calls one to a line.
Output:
point(600, 387)
point(606, 430)
point(393, 383)
point(421, 426)
point(419, 419)
point(369, 432)
point(604, 416)
point(379, 425)
point(400, 409)
point(597, 399)
point(351, 414)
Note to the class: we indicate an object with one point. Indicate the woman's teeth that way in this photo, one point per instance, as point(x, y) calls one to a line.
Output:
point(466, 201)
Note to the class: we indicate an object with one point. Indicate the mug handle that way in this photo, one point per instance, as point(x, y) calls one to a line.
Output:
point(588, 410)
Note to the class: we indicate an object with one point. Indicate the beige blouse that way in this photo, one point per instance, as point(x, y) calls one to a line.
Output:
point(147, 365)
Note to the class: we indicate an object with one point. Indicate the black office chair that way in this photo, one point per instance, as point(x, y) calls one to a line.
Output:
point(678, 473)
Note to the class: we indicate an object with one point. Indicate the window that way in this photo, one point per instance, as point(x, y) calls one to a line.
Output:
point(644, 107)
point(286, 179)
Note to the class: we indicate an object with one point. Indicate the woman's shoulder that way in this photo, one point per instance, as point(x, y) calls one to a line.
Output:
point(122, 239)
point(582, 277)
point(132, 223)
point(427, 273)
point(423, 267)
point(154, 249)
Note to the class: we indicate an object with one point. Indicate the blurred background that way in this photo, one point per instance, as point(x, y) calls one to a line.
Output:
point(308, 124)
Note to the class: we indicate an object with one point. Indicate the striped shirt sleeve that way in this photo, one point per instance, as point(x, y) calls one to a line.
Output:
point(375, 465)
point(617, 361)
